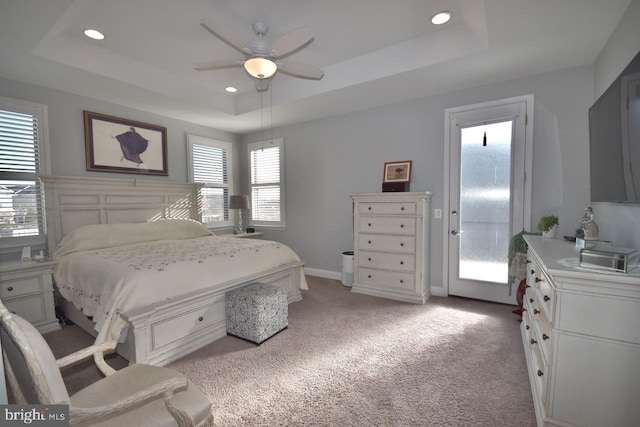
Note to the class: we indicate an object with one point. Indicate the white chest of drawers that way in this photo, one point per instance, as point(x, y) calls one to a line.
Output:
point(26, 289)
point(581, 336)
point(391, 245)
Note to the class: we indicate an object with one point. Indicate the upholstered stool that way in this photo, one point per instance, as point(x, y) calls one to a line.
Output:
point(256, 312)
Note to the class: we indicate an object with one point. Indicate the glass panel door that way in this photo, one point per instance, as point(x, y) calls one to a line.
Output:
point(485, 201)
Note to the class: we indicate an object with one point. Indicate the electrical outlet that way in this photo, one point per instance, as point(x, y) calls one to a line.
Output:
point(437, 213)
point(26, 253)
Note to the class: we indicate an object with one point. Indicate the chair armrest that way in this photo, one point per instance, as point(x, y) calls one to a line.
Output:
point(97, 351)
point(165, 388)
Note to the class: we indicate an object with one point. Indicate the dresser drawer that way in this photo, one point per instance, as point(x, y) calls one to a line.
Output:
point(24, 285)
point(387, 261)
point(386, 279)
point(387, 243)
point(392, 225)
point(384, 208)
point(32, 308)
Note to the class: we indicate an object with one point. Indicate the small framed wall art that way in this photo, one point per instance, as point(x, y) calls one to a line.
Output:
point(119, 145)
point(397, 171)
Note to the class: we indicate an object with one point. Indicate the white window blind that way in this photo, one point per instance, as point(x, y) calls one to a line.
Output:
point(267, 192)
point(210, 164)
point(22, 157)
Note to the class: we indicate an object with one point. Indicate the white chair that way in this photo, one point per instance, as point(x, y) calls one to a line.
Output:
point(138, 395)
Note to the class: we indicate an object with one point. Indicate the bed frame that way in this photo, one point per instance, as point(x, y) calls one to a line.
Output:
point(159, 333)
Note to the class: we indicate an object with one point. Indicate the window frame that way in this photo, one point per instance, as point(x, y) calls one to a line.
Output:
point(40, 112)
point(254, 146)
point(223, 145)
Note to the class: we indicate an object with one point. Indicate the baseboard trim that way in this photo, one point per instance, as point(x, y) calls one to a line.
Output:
point(326, 274)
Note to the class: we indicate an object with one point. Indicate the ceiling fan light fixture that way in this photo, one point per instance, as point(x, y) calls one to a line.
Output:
point(441, 18)
point(260, 68)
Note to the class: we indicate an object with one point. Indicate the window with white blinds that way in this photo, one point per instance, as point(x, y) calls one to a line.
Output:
point(23, 155)
point(266, 161)
point(210, 163)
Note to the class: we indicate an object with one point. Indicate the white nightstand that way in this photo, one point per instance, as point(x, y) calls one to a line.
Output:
point(26, 288)
point(256, 235)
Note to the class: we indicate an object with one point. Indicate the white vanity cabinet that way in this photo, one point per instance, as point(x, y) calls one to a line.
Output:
point(581, 336)
point(391, 245)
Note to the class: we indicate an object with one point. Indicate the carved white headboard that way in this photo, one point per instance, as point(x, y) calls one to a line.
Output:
point(71, 202)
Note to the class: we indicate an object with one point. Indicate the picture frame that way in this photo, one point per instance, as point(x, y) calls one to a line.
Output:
point(114, 144)
point(397, 171)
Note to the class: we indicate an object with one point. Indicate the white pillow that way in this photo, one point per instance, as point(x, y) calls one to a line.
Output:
point(98, 236)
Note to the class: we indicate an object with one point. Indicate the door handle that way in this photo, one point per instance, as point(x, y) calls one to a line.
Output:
point(456, 232)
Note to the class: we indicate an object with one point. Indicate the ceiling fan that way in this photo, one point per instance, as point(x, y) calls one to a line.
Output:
point(263, 59)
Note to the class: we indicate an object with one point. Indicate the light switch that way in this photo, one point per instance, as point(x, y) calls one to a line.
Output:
point(437, 213)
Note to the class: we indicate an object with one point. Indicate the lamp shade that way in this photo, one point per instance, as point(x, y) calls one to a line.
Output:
point(260, 68)
point(239, 202)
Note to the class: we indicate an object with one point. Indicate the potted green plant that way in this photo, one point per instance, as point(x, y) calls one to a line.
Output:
point(548, 225)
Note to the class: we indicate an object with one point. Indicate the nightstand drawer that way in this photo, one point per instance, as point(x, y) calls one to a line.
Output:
point(21, 286)
point(32, 308)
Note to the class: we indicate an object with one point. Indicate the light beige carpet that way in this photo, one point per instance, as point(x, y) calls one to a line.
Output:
point(353, 360)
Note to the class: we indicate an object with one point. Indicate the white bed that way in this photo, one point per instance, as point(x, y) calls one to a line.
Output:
point(160, 281)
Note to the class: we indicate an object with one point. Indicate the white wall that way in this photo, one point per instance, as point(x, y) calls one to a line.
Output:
point(618, 222)
point(326, 160)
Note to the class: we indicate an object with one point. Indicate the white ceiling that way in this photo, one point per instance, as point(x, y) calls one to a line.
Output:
point(373, 52)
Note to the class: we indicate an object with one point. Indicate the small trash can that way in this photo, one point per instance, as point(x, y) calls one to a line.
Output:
point(347, 268)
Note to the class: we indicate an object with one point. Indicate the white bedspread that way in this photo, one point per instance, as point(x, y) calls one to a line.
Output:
point(105, 282)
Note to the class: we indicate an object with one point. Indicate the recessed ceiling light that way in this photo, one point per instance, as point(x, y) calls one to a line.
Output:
point(231, 89)
point(441, 18)
point(93, 34)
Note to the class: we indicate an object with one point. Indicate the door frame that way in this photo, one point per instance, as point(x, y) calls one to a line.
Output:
point(528, 165)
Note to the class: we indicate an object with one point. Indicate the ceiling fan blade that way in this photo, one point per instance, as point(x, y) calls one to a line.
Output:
point(300, 70)
point(290, 43)
point(221, 32)
point(261, 84)
point(217, 65)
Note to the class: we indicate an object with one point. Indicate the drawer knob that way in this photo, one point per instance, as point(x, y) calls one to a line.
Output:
point(524, 309)
point(401, 225)
point(369, 207)
point(369, 241)
point(401, 244)
point(531, 300)
point(533, 341)
point(545, 337)
point(402, 208)
point(369, 259)
point(537, 279)
point(401, 262)
point(10, 288)
point(401, 281)
point(369, 276)
point(527, 286)
point(528, 261)
point(200, 319)
point(369, 224)
point(536, 311)
point(533, 271)
point(540, 373)
point(527, 327)
point(546, 298)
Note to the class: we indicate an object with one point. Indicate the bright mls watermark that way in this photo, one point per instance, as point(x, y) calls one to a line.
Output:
point(37, 415)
